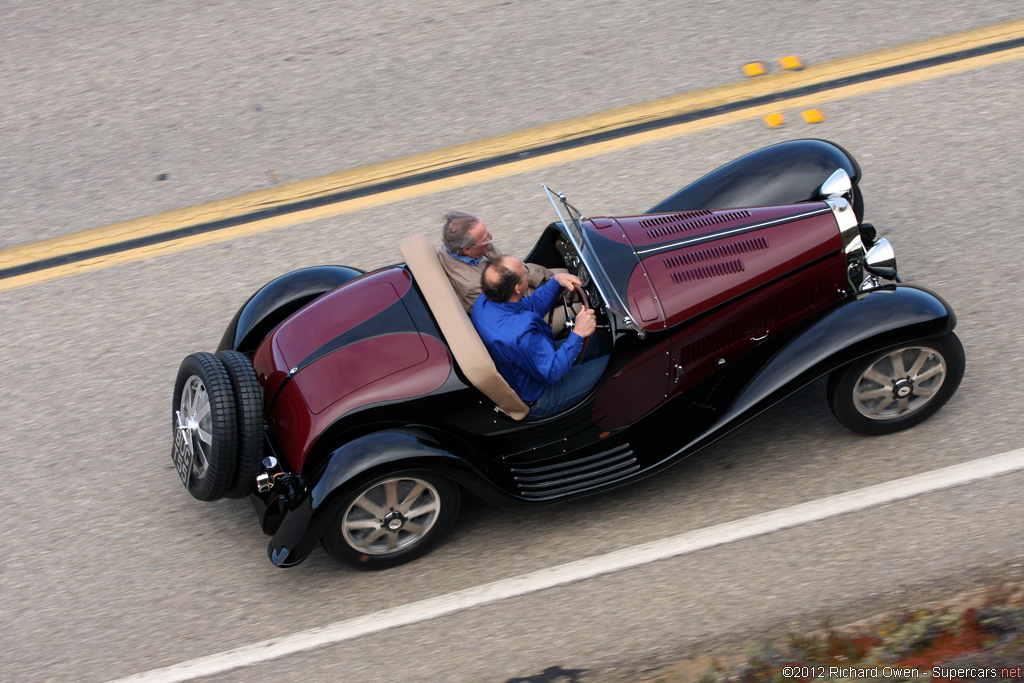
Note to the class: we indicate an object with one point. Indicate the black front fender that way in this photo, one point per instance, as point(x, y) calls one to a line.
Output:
point(785, 173)
point(349, 466)
point(863, 325)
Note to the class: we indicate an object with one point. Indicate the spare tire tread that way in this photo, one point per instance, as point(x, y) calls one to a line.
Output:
point(249, 411)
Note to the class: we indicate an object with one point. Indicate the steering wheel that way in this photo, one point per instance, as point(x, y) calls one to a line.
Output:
point(586, 304)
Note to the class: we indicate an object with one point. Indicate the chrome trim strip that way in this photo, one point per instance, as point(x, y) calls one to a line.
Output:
point(721, 234)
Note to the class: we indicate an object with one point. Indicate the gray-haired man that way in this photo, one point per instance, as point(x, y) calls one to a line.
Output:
point(466, 246)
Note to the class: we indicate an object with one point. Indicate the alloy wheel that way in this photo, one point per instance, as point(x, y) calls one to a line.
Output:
point(196, 419)
point(899, 383)
point(391, 515)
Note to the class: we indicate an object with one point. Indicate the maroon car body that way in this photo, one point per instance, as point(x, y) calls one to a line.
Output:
point(371, 414)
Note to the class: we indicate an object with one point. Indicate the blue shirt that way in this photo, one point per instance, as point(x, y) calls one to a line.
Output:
point(520, 341)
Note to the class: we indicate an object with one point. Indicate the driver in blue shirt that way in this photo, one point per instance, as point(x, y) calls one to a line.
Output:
point(513, 329)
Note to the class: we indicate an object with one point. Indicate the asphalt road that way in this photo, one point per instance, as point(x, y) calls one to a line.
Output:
point(110, 568)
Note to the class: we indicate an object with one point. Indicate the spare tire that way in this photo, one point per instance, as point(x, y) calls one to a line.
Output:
point(249, 411)
point(204, 410)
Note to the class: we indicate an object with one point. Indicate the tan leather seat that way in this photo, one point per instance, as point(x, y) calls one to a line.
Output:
point(463, 341)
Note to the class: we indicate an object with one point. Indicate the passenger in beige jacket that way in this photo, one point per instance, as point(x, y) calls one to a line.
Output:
point(466, 246)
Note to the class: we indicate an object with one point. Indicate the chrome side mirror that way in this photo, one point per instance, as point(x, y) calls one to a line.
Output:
point(881, 260)
point(837, 185)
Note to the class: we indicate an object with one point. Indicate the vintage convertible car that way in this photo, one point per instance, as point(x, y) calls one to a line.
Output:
point(353, 407)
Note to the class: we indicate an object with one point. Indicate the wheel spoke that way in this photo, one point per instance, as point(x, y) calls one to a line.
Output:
point(198, 398)
point(873, 394)
point(924, 391)
point(369, 539)
point(414, 528)
point(188, 400)
point(203, 412)
point(362, 524)
point(878, 377)
point(205, 436)
point(391, 494)
point(411, 497)
point(365, 503)
point(199, 462)
point(898, 369)
point(922, 358)
point(392, 540)
point(929, 373)
point(879, 407)
point(422, 510)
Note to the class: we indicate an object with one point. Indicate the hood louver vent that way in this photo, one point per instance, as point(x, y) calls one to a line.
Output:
point(719, 252)
point(705, 272)
point(663, 226)
point(674, 218)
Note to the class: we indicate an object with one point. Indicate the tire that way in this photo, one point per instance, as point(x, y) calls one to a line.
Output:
point(358, 535)
point(249, 423)
point(204, 398)
point(898, 388)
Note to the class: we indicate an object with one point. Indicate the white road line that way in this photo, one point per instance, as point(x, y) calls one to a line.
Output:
point(580, 570)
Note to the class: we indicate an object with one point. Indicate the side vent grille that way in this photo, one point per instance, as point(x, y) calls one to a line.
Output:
point(773, 316)
point(718, 252)
point(663, 226)
point(705, 272)
point(548, 481)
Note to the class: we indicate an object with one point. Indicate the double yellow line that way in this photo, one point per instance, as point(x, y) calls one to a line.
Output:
point(615, 129)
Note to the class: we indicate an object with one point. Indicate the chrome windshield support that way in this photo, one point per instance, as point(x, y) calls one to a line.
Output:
point(573, 229)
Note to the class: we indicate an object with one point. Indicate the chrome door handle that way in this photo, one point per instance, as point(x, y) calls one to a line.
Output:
point(677, 373)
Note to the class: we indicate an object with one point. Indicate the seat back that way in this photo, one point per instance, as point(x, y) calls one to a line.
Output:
point(463, 341)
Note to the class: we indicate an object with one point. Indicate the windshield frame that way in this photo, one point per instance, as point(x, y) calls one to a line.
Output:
point(574, 230)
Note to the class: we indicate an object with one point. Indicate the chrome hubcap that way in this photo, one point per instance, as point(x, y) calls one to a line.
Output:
point(393, 521)
point(899, 383)
point(196, 421)
point(391, 515)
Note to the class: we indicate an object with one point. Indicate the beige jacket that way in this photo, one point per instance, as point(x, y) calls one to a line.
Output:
point(465, 278)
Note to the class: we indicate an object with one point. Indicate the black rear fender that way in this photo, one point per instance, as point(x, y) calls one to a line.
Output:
point(349, 466)
point(277, 300)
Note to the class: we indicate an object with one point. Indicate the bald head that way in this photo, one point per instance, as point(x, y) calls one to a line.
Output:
point(504, 279)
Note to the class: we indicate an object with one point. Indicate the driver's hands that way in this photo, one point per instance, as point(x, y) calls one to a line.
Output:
point(568, 280)
point(586, 322)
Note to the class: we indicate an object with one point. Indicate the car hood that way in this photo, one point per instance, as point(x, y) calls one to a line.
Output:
point(675, 266)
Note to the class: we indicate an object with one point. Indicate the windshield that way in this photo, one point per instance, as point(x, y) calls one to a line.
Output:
point(571, 221)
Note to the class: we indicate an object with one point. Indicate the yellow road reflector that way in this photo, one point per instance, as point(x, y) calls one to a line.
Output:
point(753, 69)
point(813, 116)
point(791, 62)
point(426, 173)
